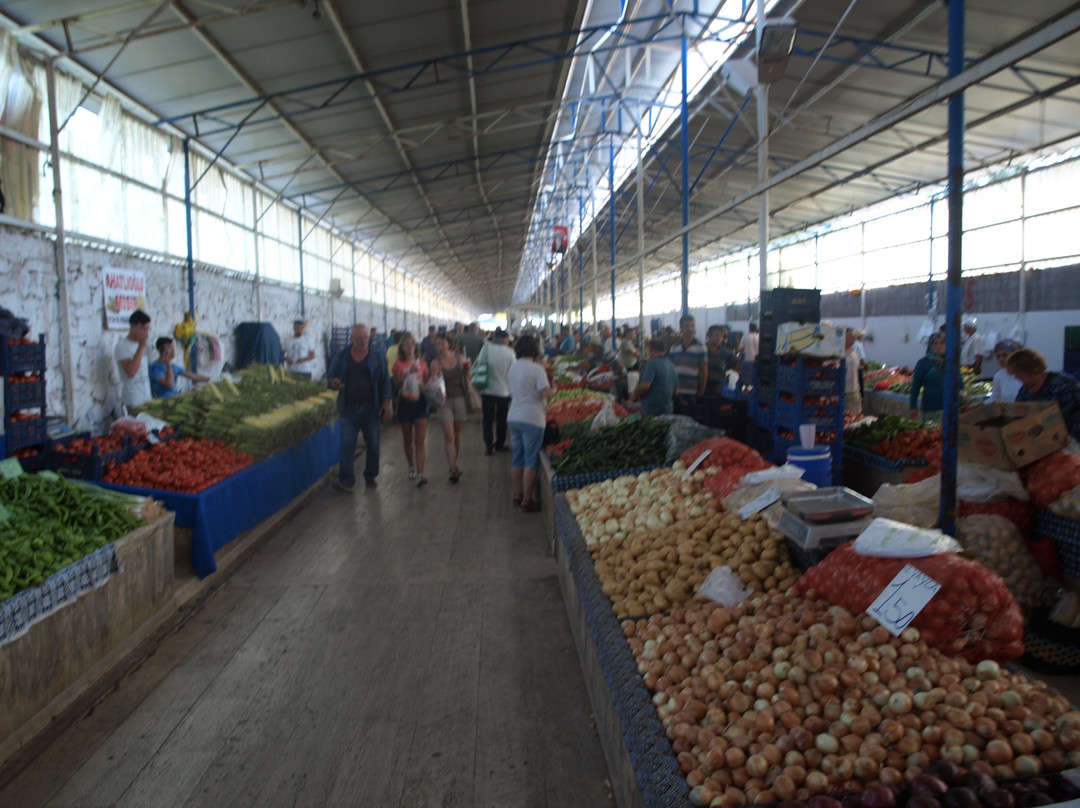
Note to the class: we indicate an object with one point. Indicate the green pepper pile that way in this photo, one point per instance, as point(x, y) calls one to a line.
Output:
point(628, 444)
point(871, 434)
point(52, 524)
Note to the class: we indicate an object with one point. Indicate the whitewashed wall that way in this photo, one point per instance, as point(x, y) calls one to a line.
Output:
point(28, 287)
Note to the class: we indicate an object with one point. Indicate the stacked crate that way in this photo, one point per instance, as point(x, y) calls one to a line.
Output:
point(25, 435)
point(810, 392)
point(777, 306)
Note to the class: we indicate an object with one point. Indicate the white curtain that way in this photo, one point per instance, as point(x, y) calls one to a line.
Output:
point(20, 164)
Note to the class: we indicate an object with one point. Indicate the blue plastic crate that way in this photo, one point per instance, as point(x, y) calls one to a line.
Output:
point(792, 414)
point(20, 358)
point(20, 434)
point(810, 378)
point(24, 396)
point(764, 414)
point(86, 466)
point(565, 482)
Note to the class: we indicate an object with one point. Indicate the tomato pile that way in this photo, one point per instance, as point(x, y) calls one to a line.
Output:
point(185, 465)
point(909, 444)
point(579, 408)
point(85, 446)
point(973, 615)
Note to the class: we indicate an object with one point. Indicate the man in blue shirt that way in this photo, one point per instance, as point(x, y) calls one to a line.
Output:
point(164, 372)
point(362, 379)
point(568, 344)
point(656, 387)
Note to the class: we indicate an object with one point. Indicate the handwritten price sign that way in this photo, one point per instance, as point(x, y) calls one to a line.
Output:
point(903, 599)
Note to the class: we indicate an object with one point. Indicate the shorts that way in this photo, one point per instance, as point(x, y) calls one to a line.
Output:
point(526, 441)
point(453, 409)
point(408, 411)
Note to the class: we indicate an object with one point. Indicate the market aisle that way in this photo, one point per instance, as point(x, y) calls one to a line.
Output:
point(395, 647)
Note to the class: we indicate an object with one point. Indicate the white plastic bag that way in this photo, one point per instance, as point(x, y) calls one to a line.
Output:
point(410, 390)
point(723, 586)
point(978, 483)
point(887, 538)
point(788, 471)
point(435, 390)
point(913, 503)
point(606, 416)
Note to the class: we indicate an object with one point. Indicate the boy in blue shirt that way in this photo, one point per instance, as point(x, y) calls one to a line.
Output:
point(164, 372)
point(656, 387)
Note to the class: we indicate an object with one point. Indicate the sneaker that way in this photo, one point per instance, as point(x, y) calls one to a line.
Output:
point(421, 480)
point(502, 448)
point(488, 451)
point(369, 482)
point(341, 486)
point(413, 476)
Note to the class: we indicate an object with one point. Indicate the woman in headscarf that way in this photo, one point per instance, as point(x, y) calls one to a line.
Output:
point(1006, 386)
point(929, 379)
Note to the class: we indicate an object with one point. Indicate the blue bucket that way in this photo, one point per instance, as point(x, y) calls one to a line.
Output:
point(817, 463)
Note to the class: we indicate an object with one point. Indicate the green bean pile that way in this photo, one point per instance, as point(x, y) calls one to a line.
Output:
point(52, 524)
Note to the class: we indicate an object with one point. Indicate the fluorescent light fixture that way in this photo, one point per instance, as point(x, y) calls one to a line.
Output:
point(774, 48)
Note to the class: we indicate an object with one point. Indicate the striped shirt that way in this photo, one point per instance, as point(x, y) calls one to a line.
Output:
point(689, 362)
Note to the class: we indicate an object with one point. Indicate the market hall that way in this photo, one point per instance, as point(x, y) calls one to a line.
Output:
point(750, 337)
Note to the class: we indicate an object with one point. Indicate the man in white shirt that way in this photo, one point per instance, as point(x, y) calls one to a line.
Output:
point(299, 352)
point(971, 352)
point(748, 348)
point(132, 365)
point(496, 396)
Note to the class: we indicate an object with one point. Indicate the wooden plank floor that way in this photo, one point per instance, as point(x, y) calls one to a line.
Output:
point(395, 647)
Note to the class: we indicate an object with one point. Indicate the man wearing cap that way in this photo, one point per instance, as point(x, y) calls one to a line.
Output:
point(299, 352)
point(971, 353)
point(495, 399)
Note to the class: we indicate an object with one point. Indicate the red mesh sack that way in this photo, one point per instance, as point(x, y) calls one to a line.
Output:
point(724, 452)
point(1049, 478)
point(724, 482)
point(1017, 511)
point(973, 615)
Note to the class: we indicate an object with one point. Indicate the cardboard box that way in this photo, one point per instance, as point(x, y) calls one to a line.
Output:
point(1010, 436)
point(821, 340)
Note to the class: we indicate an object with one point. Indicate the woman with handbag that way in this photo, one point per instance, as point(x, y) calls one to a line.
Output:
point(410, 374)
point(452, 412)
point(529, 392)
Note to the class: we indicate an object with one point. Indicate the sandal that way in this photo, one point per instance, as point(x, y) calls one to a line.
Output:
point(421, 480)
point(412, 474)
point(517, 499)
point(455, 476)
point(530, 507)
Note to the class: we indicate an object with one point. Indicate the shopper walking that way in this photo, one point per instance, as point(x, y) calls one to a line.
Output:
point(852, 391)
point(929, 379)
point(529, 392)
point(410, 374)
point(362, 380)
point(495, 399)
point(299, 352)
point(748, 347)
point(452, 412)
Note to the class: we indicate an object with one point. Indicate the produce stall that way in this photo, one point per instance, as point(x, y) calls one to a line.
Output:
point(85, 574)
point(929, 713)
point(219, 513)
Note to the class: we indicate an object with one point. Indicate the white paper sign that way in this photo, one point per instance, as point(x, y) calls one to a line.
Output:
point(696, 463)
point(767, 498)
point(903, 599)
point(124, 291)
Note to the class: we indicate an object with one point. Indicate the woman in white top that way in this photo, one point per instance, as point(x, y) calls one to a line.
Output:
point(1005, 386)
point(529, 392)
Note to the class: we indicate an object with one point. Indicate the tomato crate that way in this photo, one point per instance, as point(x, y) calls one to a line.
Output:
point(23, 358)
point(24, 396)
point(809, 378)
point(85, 466)
point(20, 434)
point(764, 414)
point(794, 413)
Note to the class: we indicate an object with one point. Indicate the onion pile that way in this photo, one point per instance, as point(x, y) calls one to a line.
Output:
point(787, 697)
point(655, 570)
point(651, 500)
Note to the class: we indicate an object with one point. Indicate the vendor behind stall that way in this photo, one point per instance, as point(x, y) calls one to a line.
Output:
point(164, 372)
point(1039, 384)
point(971, 352)
point(1006, 386)
point(929, 379)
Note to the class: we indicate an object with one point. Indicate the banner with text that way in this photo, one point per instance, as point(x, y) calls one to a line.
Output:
point(125, 291)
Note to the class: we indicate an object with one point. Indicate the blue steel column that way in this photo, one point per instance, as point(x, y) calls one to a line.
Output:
point(684, 140)
point(581, 266)
point(194, 355)
point(954, 296)
point(300, 252)
point(611, 175)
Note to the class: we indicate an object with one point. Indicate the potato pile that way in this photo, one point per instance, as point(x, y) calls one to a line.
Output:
point(656, 570)
point(996, 542)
